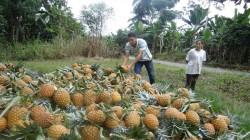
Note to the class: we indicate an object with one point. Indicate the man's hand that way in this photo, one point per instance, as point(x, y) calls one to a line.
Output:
point(130, 66)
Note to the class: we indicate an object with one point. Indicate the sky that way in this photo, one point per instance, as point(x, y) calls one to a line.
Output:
point(123, 11)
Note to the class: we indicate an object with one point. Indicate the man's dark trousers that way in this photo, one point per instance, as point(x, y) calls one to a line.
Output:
point(149, 67)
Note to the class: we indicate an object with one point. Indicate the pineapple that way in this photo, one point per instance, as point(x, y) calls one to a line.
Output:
point(132, 119)
point(112, 121)
point(90, 132)
point(57, 119)
point(96, 116)
point(193, 117)
point(118, 110)
point(220, 125)
point(112, 76)
point(56, 131)
point(124, 69)
point(116, 97)
point(151, 121)
point(89, 97)
point(209, 129)
point(77, 99)
point(146, 85)
point(164, 99)
point(87, 71)
point(26, 91)
point(2, 89)
point(91, 107)
point(74, 65)
point(183, 92)
point(105, 97)
point(68, 75)
point(15, 116)
point(4, 80)
point(47, 90)
point(178, 103)
point(27, 79)
point(3, 124)
point(194, 106)
point(2, 67)
point(153, 110)
point(20, 83)
point(173, 113)
point(226, 118)
point(62, 98)
point(41, 116)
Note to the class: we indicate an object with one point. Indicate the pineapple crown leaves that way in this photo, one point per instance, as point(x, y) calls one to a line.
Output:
point(146, 98)
point(28, 132)
point(73, 135)
point(162, 86)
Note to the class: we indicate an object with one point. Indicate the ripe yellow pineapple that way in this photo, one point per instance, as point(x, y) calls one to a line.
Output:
point(151, 121)
point(118, 110)
point(96, 116)
point(194, 106)
point(56, 131)
point(4, 80)
point(20, 83)
point(146, 85)
point(77, 99)
point(15, 116)
point(193, 117)
point(153, 110)
point(91, 107)
point(62, 97)
point(3, 123)
point(26, 91)
point(112, 121)
point(173, 113)
point(112, 76)
point(90, 132)
point(74, 65)
point(68, 75)
point(57, 119)
point(226, 118)
point(47, 90)
point(209, 129)
point(124, 69)
point(105, 97)
point(132, 119)
point(116, 97)
point(2, 89)
point(164, 99)
point(183, 92)
point(89, 97)
point(27, 79)
point(42, 117)
point(178, 103)
point(220, 125)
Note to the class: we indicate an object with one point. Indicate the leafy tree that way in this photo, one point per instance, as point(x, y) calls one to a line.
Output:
point(94, 17)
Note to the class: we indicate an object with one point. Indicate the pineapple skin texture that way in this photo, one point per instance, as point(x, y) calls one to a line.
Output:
point(133, 119)
point(56, 131)
point(62, 98)
point(90, 132)
point(151, 121)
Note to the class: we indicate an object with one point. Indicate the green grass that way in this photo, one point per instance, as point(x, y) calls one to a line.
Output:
point(227, 91)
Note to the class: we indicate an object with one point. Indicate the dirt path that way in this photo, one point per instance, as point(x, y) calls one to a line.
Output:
point(206, 68)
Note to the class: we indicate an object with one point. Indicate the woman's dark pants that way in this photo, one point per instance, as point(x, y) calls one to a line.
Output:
point(191, 80)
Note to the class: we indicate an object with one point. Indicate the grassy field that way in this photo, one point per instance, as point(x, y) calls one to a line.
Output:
point(228, 92)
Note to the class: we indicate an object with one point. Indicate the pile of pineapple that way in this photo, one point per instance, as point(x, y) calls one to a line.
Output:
point(91, 103)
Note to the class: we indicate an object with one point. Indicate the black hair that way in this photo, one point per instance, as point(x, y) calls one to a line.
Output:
point(131, 34)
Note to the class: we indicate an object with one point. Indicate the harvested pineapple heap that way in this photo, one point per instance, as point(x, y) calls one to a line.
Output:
point(90, 103)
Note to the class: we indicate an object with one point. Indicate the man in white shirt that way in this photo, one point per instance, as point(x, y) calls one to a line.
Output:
point(195, 57)
point(139, 48)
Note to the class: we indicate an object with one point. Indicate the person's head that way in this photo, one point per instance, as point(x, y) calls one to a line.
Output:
point(132, 39)
point(199, 44)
